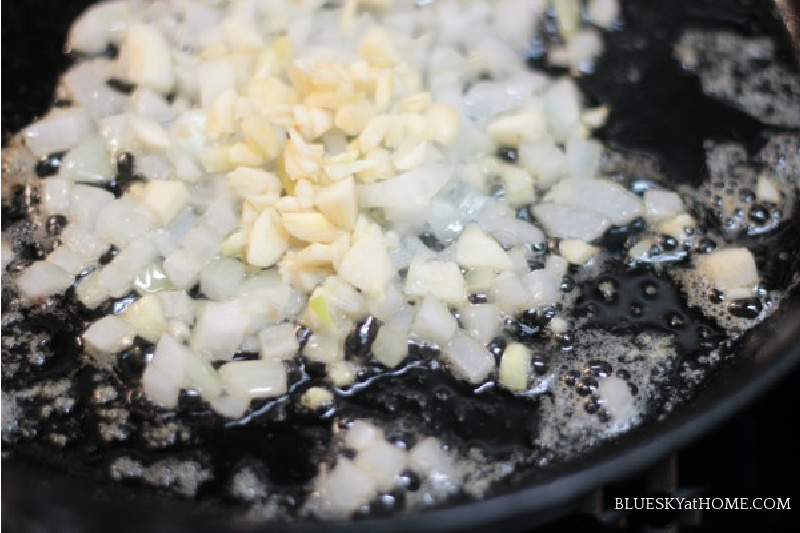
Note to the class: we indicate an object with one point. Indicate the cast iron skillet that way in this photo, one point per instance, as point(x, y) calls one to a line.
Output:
point(44, 500)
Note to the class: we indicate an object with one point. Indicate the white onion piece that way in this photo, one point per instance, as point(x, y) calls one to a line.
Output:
point(344, 488)
point(500, 222)
point(428, 459)
point(220, 329)
point(660, 205)
point(230, 405)
point(88, 161)
point(97, 26)
point(385, 305)
point(85, 204)
point(544, 160)
point(151, 105)
point(509, 293)
point(86, 85)
point(603, 13)
point(544, 288)
point(155, 166)
point(563, 107)
point(43, 279)
point(323, 347)
point(485, 99)
point(7, 254)
point(768, 190)
point(255, 379)
point(383, 462)
point(198, 20)
point(91, 291)
point(177, 305)
point(149, 58)
point(583, 157)
point(182, 223)
point(60, 129)
point(514, 21)
point(83, 242)
point(119, 274)
point(607, 198)
point(109, 335)
point(482, 322)
point(569, 222)
point(55, 195)
point(68, 259)
point(576, 251)
point(215, 76)
point(616, 397)
point(159, 389)
point(202, 242)
point(221, 217)
point(496, 56)
point(468, 358)
point(391, 343)
point(729, 269)
point(166, 199)
point(123, 220)
point(278, 342)
point(267, 299)
point(183, 268)
point(367, 265)
point(146, 315)
point(149, 133)
point(415, 187)
point(476, 249)
point(165, 375)
point(441, 279)
point(583, 48)
point(118, 134)
point(556, 265)
point(434, 323)
point(342, 295)
point(200, 375)
point(220, 278)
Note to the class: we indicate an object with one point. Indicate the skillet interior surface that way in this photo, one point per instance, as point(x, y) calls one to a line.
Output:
point(63, 501)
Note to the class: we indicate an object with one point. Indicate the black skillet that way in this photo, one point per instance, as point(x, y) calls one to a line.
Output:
point(41, 499)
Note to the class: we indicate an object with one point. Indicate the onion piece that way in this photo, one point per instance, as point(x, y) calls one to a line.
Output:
point(434, 323)
point(220, 278)
point(60, 129)
point(441, 279)
point(476, 249)
point(482, 321)
point(415, 187)
point(44, 278)
point(97, 26)
point(569, 222)
point(109, 335)
point(278, 342)
point(468, 358)
point(382, 461)
point(220, 329)
point(609, 199)
point(254, 379)
point(660, 205)
point(344, 488)
point(85, 204)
